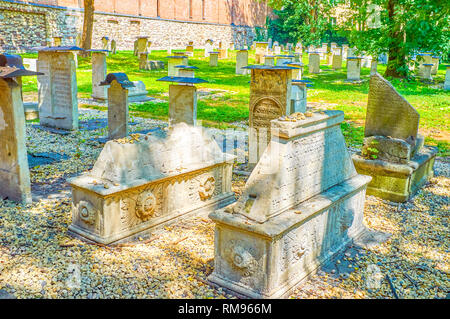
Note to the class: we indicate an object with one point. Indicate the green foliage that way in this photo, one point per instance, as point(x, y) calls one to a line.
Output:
point(306, 21)
point(406, 27)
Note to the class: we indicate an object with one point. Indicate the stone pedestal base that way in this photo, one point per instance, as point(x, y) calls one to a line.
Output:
point(397, 182)
point(269, 260)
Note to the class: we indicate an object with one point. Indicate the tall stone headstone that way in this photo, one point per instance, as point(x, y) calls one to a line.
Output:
point(141, 45)
point(57, 88)
point(241, 61)
point(447, 78)
point(425, 73)
point(373, 66)
point(393, 152)
point(353, 68)
point(261, 49)
point(144, 182)
point(14, 172)
point(117, 104)
point(113, 47)
point(337, 60)
point(314, 63)
point(302, 204)
point(99, 71)
point(213, 58)
point(208, 47)
point(270, 98)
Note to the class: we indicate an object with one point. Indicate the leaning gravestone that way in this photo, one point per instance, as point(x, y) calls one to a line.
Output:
point(14, 172)
point(117, 104)
point(144, 182)
point(392, 152)
point(57, 88)
point(99, 71)
point(302, 204)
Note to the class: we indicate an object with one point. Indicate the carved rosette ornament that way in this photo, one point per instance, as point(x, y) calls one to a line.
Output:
point(240, 258)
point(206, 188)
point(86, 211)
point(146, 204)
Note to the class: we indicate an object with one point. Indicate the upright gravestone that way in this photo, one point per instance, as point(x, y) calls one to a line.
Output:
point(269, 60)
point(182, 100)
point(14, 172)
point(374, 66)
point(173, 61)
point(337, 59)
point(423, 58)
point(57, 88)
point(426, 72)
point(99, 71)
point(302, 204)
point(117, 104)
point(208, 47)
point(223, 50)
point(392, 152)
point(314, 63)
point(241, 61)
point(447, 78)
point(261, 49)
point(344, 51)
point(141, 45)
point(435, 67)
point(190, 49)
point(353, 68)
point(270, 98)
point(105, 43)
point(213, 58)
point(113, 47)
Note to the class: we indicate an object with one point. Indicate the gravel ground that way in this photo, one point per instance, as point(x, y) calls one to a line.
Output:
point(38, 259)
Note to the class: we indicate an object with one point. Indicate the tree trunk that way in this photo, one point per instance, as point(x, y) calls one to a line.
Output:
point(88, 25)
point(397, 66)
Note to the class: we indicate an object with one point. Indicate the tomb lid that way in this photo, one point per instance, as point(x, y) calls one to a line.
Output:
point(269, 67)
point(181, 79)
point(186, 67)
point(121, 78)
point(143, 37)
point(285, 56)
point(214, 52)
point(139, 159)
point(424, 54)
point(242, 49)
point(7, 72)
point(269, 56)
point(106, 38)
point(262, 42)
point(97, 50)
point(298, 64)
point(176, 57)
point(178, 52)
point(313, 52)
point(354, 58)
point(427, 64)
point(59, 48)
point(301, 81)
point(13, 61)
point(436, 57)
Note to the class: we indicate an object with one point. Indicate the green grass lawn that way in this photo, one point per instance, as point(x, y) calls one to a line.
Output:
point(329, 88)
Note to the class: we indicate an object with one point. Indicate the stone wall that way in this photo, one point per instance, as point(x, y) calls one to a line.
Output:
point(24, 25)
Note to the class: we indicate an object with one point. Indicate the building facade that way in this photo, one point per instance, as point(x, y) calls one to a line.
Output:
point(168, 23)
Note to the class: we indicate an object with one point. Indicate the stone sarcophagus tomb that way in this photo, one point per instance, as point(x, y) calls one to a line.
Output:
point(393, 152)
point(57, 88)
point(144, 182)
point(302, 204)
point(14, 172)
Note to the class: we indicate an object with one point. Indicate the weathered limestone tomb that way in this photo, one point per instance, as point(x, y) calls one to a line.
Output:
point(302, 204)
point(182, 99)
point(241, 61)
point(118, 85)
point(99, 71)
point(270, 98)
point(14, 172)
point(393, 152)
point(57, 87)
point(145, 182)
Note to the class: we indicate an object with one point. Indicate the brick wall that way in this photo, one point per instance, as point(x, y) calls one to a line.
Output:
point(24, 24)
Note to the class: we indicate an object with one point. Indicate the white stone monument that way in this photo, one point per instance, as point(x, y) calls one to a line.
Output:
point(241, 61)
point(99, 71)
point(314, 63)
